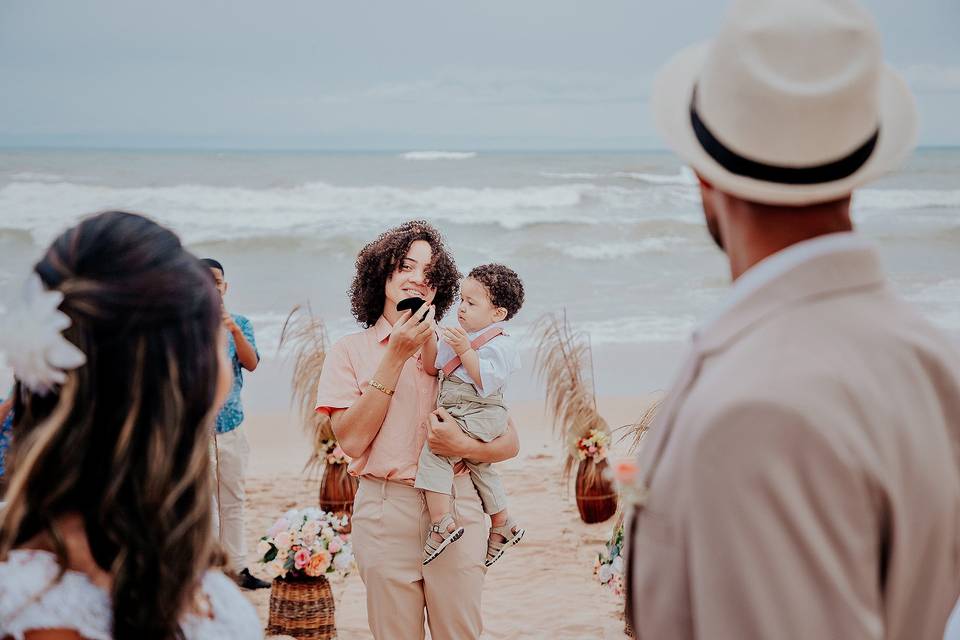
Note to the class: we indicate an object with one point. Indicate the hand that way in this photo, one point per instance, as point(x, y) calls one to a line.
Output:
point(409, 333)
point(457, 338)
point(228, 322)
point(445, 436)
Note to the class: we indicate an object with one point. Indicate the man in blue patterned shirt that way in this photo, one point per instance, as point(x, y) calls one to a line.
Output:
point(232, 449)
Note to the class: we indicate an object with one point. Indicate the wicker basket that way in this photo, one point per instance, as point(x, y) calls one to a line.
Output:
point(628, 630)
point(596, 497)
point(302, 608)
point(337, 490)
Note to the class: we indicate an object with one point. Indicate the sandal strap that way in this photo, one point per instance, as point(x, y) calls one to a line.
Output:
point(442, 526)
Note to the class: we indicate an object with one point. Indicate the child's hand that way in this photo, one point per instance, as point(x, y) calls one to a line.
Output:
point(457, 338)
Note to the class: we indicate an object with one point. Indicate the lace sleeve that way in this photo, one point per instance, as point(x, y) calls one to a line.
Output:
point(31, 597)
point(234, 618)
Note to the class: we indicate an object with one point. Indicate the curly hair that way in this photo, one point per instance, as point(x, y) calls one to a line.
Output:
point(381, 258)
point(503, 285)
point(123, 443)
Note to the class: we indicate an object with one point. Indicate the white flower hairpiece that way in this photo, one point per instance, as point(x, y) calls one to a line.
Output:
point(31, 338)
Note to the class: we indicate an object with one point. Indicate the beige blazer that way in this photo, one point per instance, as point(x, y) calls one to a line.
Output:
point(804, 473)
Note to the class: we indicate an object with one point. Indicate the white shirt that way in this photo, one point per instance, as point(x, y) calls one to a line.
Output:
point(783, 261)
point(499, 359)
point(32, 597)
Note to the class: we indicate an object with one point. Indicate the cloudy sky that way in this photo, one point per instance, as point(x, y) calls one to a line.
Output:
point(385, 74)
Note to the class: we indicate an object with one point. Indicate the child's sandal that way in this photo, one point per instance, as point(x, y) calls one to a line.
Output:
point(512, 534)
point(433, 547)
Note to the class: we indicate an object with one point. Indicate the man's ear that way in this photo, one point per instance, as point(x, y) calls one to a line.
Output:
point(500, 314)
point(225, 287)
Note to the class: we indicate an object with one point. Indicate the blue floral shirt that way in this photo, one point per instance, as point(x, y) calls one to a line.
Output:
point(231, 415)
point(6, 434)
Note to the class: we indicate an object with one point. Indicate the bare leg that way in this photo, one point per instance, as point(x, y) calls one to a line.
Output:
point(497, 519)
point(438, 505)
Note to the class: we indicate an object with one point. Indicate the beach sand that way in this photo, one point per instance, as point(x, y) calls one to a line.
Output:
point(543, 588)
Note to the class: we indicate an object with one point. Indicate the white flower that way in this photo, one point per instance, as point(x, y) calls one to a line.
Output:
point(343, 561)
point(605, 574)
point(310, 529)
point(31, 338)
point(617, 564)
point(327, 534)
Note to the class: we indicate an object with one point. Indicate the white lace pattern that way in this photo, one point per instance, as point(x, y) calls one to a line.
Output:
point(32, 598)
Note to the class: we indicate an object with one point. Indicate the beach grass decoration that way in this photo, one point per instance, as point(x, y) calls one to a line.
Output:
point(563, 357)
point(306, 335)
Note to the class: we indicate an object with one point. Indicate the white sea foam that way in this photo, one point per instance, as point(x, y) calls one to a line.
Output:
point(685, 177)
point(207, 213)
point(36, 176)
point(573, 175)
point(867, 200)
point(439, 155)
point(620, 250)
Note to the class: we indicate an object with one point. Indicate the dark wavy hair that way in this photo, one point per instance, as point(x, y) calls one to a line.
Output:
point(378, 260)
point(124, 441)
point(503, 285)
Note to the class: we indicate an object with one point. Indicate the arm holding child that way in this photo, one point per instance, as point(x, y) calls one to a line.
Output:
point(428, 355)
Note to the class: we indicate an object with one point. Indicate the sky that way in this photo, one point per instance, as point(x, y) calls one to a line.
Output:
point(377, 74)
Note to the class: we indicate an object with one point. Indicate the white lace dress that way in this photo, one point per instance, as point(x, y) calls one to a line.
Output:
point(32, 598)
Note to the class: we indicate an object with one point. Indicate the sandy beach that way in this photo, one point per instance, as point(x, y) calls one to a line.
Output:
point(543, 588)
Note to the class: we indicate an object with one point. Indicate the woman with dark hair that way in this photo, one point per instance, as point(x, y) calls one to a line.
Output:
point(106, 531)
point(382, 407)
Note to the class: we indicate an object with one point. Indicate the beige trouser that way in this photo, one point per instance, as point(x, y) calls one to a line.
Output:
point(481, 418)
point(390, 523)
point(231, 455)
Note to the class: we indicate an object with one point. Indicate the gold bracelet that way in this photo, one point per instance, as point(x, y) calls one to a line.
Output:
point(379, 387)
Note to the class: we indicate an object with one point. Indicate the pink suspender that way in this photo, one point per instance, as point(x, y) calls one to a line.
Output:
point(478, 342)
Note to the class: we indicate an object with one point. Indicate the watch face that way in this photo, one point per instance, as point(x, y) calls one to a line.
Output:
point(413, 304)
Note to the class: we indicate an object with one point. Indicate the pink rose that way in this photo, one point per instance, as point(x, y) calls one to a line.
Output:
point(334, 546)
point(301, 558)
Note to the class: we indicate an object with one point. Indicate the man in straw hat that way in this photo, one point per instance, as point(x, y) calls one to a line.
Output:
point(802, 480)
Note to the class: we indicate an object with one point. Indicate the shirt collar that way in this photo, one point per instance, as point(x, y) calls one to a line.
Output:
point(822, 267)
point(496, 325)
point(382, 329)
point(781, 262)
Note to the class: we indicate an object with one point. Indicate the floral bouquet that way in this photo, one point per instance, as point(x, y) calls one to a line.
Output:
point(610, 564)
point(305, 543)
point(593, 445)
point(331, 453)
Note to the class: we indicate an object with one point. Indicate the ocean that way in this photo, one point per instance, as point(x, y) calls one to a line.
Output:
point(614, 240)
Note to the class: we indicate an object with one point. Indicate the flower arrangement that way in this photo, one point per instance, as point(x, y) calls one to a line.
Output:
point(593, 445)
point(609, 567)
point(305, 543)
point(331, 453)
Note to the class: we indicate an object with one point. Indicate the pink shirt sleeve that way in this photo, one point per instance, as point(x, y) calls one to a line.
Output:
point(338, 387)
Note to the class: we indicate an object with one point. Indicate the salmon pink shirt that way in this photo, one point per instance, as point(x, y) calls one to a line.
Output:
point(351, 363)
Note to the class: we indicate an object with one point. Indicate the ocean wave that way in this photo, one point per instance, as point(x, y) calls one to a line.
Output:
point(619, 250)
point(575, 175)
point(203, 213)
point(36, 176)
point(439, 155)
point(867, 200)
point(686, 176)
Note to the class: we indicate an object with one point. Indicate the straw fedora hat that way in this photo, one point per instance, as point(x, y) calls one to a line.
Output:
point(790, 104)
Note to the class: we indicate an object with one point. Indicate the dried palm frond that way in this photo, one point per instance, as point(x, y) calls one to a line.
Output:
point(638, 429)
point(562, 359)
point(307, 336)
